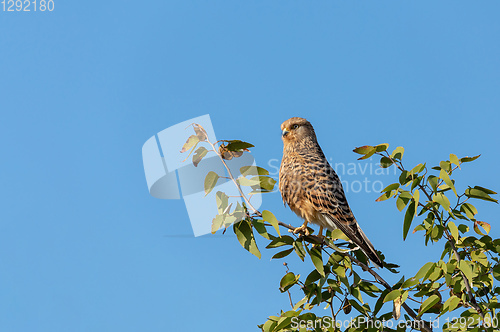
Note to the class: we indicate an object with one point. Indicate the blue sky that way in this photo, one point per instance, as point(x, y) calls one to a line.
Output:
point(84, 247)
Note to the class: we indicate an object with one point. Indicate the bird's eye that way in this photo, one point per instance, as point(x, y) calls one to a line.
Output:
point(295, 126)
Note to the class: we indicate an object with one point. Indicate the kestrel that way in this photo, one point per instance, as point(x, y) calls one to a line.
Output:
point(312, 189)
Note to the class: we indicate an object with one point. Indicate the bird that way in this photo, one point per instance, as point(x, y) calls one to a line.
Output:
point(312, 189)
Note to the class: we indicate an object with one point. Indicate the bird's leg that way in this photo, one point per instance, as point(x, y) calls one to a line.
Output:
point(302, 229)
point(320, 234)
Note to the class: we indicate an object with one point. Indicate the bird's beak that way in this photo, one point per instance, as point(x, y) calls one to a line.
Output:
point(284, 132)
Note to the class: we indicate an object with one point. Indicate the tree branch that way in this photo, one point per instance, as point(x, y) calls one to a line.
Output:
point(254, 210)
point(363, 266)
point(366, 268)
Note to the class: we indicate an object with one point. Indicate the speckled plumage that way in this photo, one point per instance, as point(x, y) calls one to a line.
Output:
point(312, 189)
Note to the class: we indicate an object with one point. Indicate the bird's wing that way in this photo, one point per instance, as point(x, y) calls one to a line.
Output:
point(329, 199)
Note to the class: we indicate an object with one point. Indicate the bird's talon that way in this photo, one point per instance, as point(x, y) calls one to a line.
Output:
point(302, 230)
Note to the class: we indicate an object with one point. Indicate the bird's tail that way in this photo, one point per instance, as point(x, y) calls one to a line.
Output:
point(367, 247)
point(356, 235)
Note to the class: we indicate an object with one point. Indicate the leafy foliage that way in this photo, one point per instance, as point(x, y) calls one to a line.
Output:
point(460, 283)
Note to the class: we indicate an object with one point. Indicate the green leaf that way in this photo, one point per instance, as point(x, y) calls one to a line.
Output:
point(453, 230)
point(446, 178)
point(265, 182)
point(288, 281)
point(283, 323)
point(469, 210)
point(423, 270)
point(217, 223)
point(445, 165)
point(451, 304)
point(222, 200)
point(416, 198)
point(229, 218)
point(434, 273)
point(312, 277)
point(282, 254)
point(417, 169)
point(210, 181)
point(270, 218)
point(442, 200)
point(237, 145)
point(463, 228)
point(253, 170)
point(239, 212)
point(391, 187)
point(384, 196)
point(488, 191)
point(410, 282)
point(428, 303)
point(457, 214)
point(299, 248)
point(419, 228)
point(269, 326)
point(358, 307)
point(363, 149)
point(402, 201)
point(280, 241)
point(198, 155)
point(191, 141)
point(404, 177)
point(379, 303)
point(433, 182)
point(398, 153)
point(300, 303)
point(465, 268)
point(354, 290)
point(480, 193)
point(469, 159)
point(416, 182)
point(409, 215)
point(392, 295)
point(338, 234)
point(317, 260)
point(485, 225)
point(480, 257)
point(382, 147)
point(437, 233)
point(496, 272)
point(244, 233)
point(369, 288)
point(243, 181)
point(385, 162)
point(261, 228)
point(369, 154)
point(454, 160)
point(200, 132)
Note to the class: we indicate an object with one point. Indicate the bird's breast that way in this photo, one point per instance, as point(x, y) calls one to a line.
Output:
point(296, 179)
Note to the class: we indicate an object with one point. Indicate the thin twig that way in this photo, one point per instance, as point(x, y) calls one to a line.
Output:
point(290, 297)
point(254, 210)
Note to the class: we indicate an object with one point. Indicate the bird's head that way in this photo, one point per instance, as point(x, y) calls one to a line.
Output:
point(296, 130)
